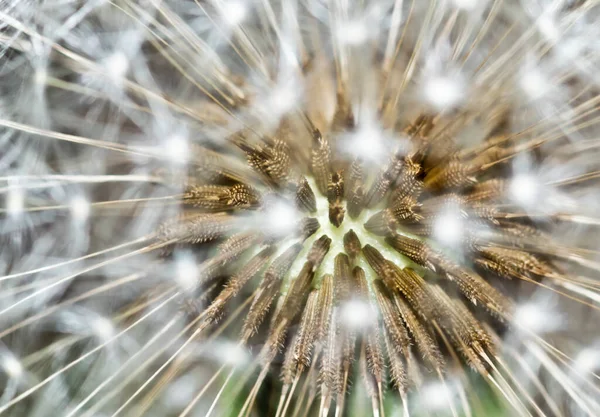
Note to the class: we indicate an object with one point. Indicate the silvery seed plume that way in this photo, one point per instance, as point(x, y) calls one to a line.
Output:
point(299, 208)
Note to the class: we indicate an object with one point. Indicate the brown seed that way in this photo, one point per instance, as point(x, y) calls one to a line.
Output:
point(336, 214)
point(381, 223)
point(267, 290)
point(320, 161)
point(335, 188)
point(452, 174)
point(308, 226)
point(196, 228)
point(218, 197)
point(356, 202)
point(352, 245)
point(305, 197)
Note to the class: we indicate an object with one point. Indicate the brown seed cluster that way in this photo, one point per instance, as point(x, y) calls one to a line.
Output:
point(434, 310)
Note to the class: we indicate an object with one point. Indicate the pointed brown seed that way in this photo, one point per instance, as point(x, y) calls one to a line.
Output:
point(426, 344)
point(267, 290)
point(196, 228)
point(342, 277)
point(335, 196)
point(273, 161)
point(472, 286)
point(352, 245)
point(355, 175)
point(396, 366)
point(406, 184)
point(460, 325)
point(308, 226)
point(413, 249)
point(227, 252)
point(511, 263)
point(343, 118)
point(392, 320)
point(305, 337)
point(237, 243)
point(487, 190)
point(326, 299)
point(301, 284)
point(356, 202)
point(381, 223)
point(320, 157)
point(405, 209)
point(372, 344)
point(237, 281)
point(451, 174)
point(384, 180)
point(413, 288)
point(330, 372)
point(376, 261)
point(305, 197)
point(336, 214)
point(317, 252)
point(219, 197)
point(335, 188)
point(249, 270)
point(212, 167)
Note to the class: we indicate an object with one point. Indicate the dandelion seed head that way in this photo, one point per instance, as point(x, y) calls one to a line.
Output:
point(300, 187)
